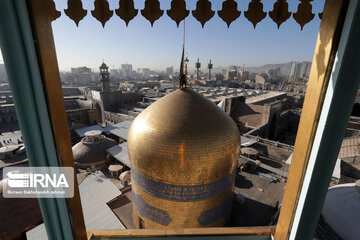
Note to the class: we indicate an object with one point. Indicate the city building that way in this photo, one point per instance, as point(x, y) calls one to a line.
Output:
point(232, 74)
point(260, 81)
point(298, 71)
point(109, 102)
point(169, 70)
point(144, 72)
point(81, 70)
point(126, 70)
point(81, 74)
point(274, 73)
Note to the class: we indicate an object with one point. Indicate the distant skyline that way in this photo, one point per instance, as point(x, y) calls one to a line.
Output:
point(160, 46)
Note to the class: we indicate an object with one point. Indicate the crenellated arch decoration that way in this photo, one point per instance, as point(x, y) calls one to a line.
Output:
point(203, 12)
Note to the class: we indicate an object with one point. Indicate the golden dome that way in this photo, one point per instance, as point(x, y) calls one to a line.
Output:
point(183, 151)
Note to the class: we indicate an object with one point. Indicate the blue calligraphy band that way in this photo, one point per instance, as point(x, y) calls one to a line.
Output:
point(183, 193)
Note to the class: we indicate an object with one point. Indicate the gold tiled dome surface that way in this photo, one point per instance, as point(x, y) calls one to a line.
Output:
point(183, 149)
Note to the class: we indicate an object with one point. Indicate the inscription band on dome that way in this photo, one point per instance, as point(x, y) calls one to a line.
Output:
point(155, 214)
point(183, 193)
point(211, 215)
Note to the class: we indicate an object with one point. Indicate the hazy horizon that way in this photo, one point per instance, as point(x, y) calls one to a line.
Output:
point(160, 46)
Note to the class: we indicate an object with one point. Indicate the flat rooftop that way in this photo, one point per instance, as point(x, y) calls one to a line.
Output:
point(122, 208)
point(260, 199)
point(263, 96)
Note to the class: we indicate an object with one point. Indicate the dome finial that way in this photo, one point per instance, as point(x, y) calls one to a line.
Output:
point(183, 66)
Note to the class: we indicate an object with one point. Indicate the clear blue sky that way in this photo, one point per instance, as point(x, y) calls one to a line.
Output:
point(159, 46)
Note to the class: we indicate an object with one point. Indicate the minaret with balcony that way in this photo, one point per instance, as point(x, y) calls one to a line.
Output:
point(105, 78)
point(210, 66)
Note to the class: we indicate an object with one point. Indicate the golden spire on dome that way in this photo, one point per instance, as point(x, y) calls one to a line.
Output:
point(183, 66)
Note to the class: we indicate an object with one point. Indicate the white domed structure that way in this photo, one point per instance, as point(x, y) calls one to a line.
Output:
point(91, 150)
point(341, 210)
